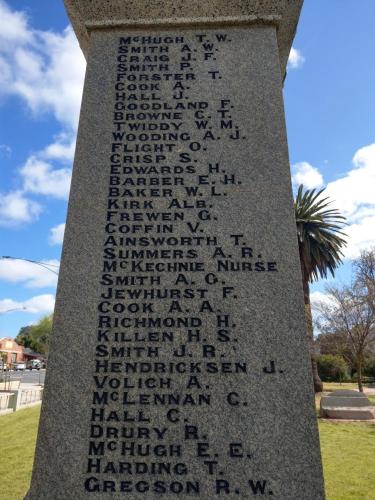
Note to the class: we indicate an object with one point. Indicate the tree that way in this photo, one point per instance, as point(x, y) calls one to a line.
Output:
point(332, 368)
point(24, 336)
point(320, 241)
point(350, 313)
point(336, 344)
point(364, 268)
point(36, 336)
point(369, 369)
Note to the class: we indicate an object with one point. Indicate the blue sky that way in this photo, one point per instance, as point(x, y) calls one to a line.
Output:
point(330, 109)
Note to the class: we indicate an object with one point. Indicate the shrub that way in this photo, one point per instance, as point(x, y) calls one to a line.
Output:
point(369, 369)
point(332, 368)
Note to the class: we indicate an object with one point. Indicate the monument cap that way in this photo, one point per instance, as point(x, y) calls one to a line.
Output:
point(88, 15)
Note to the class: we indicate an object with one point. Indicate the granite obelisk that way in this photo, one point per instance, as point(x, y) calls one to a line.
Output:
point(179, 365)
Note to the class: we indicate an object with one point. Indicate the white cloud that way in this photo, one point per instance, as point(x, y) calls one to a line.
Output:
point(62, 149)
point(13, 27)
point(317, 298)
point(57, 234)
point(306, 174)
point(36, 305)
point(319, 301)
point(16, 209)
point(361, 236)
point(355, 189)
point(29, 274)
point(40, 177)
point(295, 59)
point(353, 194)
point(46, 69)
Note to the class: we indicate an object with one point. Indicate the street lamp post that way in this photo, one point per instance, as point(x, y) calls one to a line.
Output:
point(41, 264)
point(14, 309)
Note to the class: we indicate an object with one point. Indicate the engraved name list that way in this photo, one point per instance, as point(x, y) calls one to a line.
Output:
point(169, 380)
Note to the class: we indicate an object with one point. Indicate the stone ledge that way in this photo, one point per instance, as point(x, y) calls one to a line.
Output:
point(346, 413)
point(89, 15)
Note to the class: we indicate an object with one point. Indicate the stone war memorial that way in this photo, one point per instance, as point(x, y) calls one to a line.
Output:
point(180, 296)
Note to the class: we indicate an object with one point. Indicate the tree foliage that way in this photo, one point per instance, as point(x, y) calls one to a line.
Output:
point(332, 368)
point(320, 235)
point(336, 344)
point(350, 313)
point(36, 337)
point(369, 369)
point(320, 241)
point(24, 336)
point(365, 276)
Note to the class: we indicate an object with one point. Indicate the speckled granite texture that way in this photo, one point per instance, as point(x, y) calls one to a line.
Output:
point(87, 15)
point(200, 386)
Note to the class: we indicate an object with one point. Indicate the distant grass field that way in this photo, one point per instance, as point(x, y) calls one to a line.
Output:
point(348, 451)
point(334, 386)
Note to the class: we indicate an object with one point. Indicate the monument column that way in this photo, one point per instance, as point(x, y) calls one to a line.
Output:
point(179, 365)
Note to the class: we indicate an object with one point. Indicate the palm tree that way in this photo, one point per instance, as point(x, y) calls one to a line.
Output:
point(320, 241)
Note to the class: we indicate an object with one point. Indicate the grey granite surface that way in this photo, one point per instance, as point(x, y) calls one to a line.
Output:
point(179, 338)
point(88, 15)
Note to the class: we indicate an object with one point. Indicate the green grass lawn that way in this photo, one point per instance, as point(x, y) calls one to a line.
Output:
point(348, 451)
point(334, 386)
point(17, 437)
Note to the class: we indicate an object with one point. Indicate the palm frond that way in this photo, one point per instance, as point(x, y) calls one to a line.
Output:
point(319, 231)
